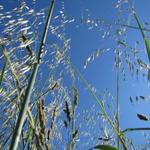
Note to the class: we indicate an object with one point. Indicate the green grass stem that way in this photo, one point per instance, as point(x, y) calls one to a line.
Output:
point(25, 103)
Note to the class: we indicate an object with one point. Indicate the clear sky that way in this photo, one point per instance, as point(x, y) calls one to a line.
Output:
point(101, 73)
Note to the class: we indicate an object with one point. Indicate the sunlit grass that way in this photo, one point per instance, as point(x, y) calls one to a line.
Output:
point(37, 117)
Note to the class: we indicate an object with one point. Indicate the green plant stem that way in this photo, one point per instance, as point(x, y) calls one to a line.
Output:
point(102, 107)
point(23, 110)
point(117, 90)
point(25, 103)
point(146, 41)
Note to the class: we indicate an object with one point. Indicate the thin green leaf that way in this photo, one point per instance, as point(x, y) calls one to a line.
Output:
point(105, 147)
point(147, 47)
point(143, 34)
point(29, 134)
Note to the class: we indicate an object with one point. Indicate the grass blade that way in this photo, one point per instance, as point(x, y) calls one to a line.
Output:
point(104, 147)
point(147, 45)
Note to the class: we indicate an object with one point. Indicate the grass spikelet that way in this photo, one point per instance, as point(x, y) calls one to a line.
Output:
point(75, 134)
point(65, 124)
point(25, 40)
point(54, 86)
point(41, 117)
point(54, 115)
point(75, 96)
point(42, 134)
point(142, 117)
point(67, 110)
point(2, 73)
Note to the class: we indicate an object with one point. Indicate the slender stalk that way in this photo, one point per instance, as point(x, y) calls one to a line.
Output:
point(117, 90)
point(135, 129)
point(102, 108)
point(120, 24)
point(25, 103)
point(42, 95)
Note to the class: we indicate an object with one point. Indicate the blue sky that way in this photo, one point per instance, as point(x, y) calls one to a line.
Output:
point(101, 72)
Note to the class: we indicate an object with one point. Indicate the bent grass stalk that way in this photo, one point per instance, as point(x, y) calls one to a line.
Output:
point(24, 106)
point(119, 134)
point(117, 92)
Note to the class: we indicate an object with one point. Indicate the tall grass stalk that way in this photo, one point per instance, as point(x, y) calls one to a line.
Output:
point(24, 106)
point(117, 92)
point(120, 136)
